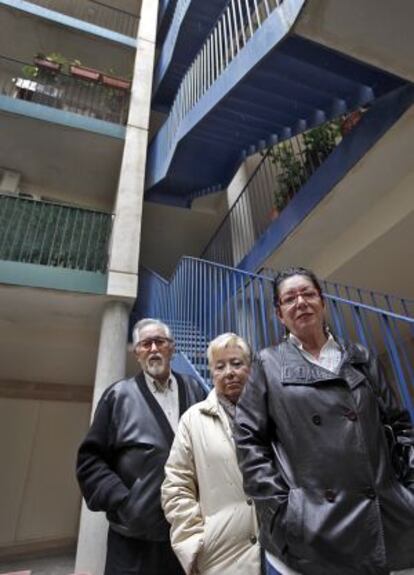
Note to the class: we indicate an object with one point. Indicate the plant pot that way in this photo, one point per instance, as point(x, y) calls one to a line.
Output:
point(85, 73)
point(114, 82)
point(48, 65)
point(273, 214)
point(350, 121)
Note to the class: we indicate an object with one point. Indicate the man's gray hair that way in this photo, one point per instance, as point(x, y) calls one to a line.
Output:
point(228, 340)
point(144, 323)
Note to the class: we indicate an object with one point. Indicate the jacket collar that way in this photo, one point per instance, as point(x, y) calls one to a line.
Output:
point(211, 406)
point(296, 370)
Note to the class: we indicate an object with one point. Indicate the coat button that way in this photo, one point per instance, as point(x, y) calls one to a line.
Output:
point(370, 493)
point(330, 495)
point(249, 501)
point(317, 419)
point(253, 539)
point(351, 415)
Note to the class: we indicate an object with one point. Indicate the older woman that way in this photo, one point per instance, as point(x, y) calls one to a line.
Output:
point(213, 523)
point(313, 450)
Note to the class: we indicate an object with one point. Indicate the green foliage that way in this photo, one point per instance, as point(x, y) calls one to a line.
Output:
point(290, 174)
point(30, 72)
point(320, 141)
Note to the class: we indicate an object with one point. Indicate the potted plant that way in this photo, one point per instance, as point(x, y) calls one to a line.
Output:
point(349, 121)
point(319, 143)
point(84, 72)
point(290, 174)
point(47, 63)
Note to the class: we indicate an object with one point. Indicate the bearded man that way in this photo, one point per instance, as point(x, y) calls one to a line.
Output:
point(120, 465)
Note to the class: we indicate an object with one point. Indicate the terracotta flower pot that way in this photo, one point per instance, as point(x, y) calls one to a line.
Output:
point(273, 214)
point(114, 82)
point(350, 121)
point(85, 73)
point(48, 65)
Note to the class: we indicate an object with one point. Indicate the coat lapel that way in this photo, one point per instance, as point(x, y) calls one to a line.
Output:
point(182, 394)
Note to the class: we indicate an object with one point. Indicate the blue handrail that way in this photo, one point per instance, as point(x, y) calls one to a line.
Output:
point(203, 299)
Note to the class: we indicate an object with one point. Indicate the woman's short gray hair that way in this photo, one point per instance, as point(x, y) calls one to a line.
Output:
point(144, 323)
point(225, 340)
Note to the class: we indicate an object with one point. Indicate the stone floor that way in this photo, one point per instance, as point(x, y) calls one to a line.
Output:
point(54, 565)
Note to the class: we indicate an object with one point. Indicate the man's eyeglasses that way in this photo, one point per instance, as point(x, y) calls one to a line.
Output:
point(291, 299)
point(159, 342)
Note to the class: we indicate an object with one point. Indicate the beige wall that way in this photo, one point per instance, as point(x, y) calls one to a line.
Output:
point(376, 32)
point(39, 497)
point(169, 232)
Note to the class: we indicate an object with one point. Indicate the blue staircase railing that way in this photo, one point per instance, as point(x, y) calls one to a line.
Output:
point(203, 299)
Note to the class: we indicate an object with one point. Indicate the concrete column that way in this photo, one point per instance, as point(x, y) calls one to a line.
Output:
point(242, 231)
point(126, 234)
point(111, 365)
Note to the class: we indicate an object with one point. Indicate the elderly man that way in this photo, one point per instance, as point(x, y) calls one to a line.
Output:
point(121, 462)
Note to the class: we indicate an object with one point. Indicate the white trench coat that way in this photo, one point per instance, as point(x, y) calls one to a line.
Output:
point(213, 523)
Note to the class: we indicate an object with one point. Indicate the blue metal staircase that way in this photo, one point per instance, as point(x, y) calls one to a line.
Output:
point(203, 299)
point(253, 83)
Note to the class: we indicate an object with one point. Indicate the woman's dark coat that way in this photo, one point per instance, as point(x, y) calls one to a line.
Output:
point(314, 456)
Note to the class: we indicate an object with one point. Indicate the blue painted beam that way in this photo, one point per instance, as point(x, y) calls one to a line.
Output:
point(47, 277)
point(374, 124)
point(70, 22)
point(61, 117)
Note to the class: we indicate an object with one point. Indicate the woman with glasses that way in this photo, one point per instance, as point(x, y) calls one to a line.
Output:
point(312, 446)
point(213, 524)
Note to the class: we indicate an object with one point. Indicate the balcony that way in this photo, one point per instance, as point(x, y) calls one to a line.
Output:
point(94, 96)
point(95, 12)
point(53, 245)
point(53, 234)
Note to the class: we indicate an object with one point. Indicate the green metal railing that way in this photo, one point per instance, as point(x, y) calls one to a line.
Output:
point(52, 234)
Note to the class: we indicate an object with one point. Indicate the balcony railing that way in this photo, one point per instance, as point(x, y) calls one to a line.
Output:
point(23, 81)
point(280, 174)
point(51, 234)
point(95, 12)
point(237, 24)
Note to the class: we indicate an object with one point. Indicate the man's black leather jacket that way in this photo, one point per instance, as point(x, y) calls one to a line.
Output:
point(121, 461)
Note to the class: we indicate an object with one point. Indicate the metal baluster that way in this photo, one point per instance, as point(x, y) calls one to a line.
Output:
point(396, 365)
point(227, 12)
point(236, 30)
point(253, 311)
point(244, 307)
point(68, 212)
point(242, 23)
point(16, 236)
point(46, 234)
point(263, 313)
point(249, 18)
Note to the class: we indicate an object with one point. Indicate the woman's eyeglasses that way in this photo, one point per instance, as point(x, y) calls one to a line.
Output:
point(291, 299)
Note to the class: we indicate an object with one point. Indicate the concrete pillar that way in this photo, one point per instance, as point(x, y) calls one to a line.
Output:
point(126, 233)
point(241, 223)
point(111, 365)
